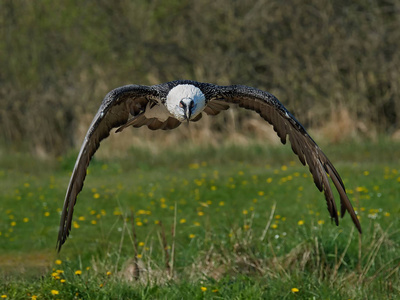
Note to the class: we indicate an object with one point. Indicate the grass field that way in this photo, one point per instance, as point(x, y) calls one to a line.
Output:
point(205, 223)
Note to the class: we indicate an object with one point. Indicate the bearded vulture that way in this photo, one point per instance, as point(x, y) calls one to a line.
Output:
point(166, 106)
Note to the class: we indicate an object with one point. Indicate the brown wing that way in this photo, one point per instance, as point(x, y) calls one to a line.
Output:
point(114, 111)
point(269, 108)
point(214, 107)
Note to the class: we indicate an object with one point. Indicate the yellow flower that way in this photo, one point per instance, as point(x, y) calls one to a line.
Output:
point(76, 225)
point(13, 223)
point(261, 193)
point(78, 272)
point(58, 262)
point(96, 196)
point(4, 296)
point(196, 223)
point(203, 289)
point(300, 223)
point(108, 273)
point(269, 180)
point(34, 297)
point(213, 188)
point(46, 214)
point(139, 223)
point(200, 213)
point(54, 292)
point(274, 226)
point(222, 203)
point(139, 256)
point(387, 214)
point(295, 290)
point(25, 220)
point(192, 235)
point(62, 280)
point(81, 218)
point(321, 222)
point(94, 222)
point(141, 244)
point(245, 212)
point(182, 221)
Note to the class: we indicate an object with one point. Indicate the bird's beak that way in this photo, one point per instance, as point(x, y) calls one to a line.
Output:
point(188, 113)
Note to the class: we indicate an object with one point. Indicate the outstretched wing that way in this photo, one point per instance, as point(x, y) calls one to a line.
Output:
point(117, 106)
point(285, 125)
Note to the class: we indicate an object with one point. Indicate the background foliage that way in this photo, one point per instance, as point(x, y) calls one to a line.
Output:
point(322, 59)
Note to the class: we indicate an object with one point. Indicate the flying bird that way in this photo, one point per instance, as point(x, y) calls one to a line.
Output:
point(167, 105)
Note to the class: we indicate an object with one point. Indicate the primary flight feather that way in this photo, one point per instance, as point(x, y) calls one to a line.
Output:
point(166, 106)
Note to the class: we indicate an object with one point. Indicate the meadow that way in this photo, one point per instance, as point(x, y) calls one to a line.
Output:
point(234, 222)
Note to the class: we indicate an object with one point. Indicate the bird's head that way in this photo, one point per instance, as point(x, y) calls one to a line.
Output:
point(185, 102)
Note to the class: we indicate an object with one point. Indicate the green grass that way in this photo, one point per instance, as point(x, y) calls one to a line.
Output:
point(249, 224)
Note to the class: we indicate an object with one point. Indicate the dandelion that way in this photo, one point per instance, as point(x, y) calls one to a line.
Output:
point(300, 223)
point(215, 291)
point(26, 220)
point(221, 203)
point(139, 256)
point(108, 273)
point(200, 213)
point(274, 226)
point(62, 280)
point(245, 212)
point(75, 224)
point(94, 222)
point(141, 244)
point(196, 223)
point(387, 214)
point(321, 222)
point(182, 221)
point(139, 223)
point(92, 212)
point(269, 180)
point(81, 218)
point(34, 297)
point(96, 195)
point(213, 188)
point(261, 193)
point(295, 290)
point(284, 168)
point(4, 296)
point(46, 214)
point(54, 292)
point(203, 289)
point(192, 235)
point(13, 223)
point(78, 272)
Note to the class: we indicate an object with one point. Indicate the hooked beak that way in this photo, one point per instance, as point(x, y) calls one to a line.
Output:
point(188, 113)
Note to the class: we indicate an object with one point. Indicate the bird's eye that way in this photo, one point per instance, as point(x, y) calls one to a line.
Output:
point(181, 105)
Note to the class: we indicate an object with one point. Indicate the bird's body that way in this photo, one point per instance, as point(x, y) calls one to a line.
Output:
point(166, 106)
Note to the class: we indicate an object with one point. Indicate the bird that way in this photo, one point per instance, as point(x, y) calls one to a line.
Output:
point(165, 106)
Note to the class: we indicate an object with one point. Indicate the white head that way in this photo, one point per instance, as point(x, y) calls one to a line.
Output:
point(185, 102)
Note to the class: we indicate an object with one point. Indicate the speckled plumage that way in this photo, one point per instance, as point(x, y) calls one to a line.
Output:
point(138, 105)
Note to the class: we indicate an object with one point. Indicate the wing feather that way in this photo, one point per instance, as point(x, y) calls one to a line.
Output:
point(113, 112)
point(286, 125)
